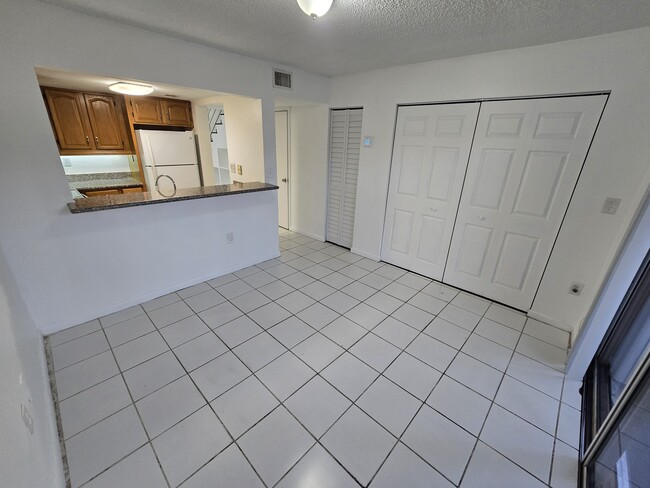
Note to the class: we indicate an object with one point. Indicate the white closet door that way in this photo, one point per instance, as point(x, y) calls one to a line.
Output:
point(431, 149)
point(345, 144)
point(525, 162)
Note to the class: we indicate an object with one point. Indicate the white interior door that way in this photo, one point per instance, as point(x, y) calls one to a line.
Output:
point(345, 146)
point(431, 149)
point(524, 164)
point(282, 160)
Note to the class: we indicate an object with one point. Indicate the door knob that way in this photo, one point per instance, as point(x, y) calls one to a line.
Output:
point(284, 180)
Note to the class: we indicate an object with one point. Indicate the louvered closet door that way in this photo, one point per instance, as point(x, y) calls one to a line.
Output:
point(345, 144)
point(524, 164)
point(431, 149)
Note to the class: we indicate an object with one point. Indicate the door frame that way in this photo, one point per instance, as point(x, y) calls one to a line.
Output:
point(289, 176)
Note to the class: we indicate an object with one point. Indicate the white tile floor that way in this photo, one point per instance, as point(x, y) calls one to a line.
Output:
point(317, 369)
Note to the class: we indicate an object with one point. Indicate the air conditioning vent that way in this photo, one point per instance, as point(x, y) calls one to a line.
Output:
point(281, 79)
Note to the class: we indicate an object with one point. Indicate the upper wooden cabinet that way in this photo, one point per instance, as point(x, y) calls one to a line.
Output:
point(88, 123)
point(160, 111)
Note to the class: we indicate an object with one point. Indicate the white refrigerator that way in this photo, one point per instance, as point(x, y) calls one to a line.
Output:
point(169, 160)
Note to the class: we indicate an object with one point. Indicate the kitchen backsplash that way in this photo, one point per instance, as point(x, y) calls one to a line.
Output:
point(77, 165)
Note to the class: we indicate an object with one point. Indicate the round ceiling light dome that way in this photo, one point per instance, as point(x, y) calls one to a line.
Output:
point(315, 8)
point(128, 88)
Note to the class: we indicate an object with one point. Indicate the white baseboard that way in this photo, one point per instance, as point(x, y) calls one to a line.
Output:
point(374, 257)
point(308, 234)
point(547, 320)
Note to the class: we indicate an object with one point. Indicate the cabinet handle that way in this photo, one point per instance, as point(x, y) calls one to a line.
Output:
point(97, 140)
point(87, 140)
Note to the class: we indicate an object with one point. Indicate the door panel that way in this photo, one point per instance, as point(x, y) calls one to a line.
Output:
point(432, 145)
point(282, 161)
point(524, 164)
point(69, 119)
point(102, 113)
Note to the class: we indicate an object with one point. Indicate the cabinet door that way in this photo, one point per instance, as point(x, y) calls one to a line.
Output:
point(146, 110)
point(106, 125)
point(69, 119)
point(102, 193)
point(177, 112)
point(137, 189)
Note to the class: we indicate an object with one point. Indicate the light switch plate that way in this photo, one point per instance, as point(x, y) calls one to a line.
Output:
point(240, 170)
point(611, 205)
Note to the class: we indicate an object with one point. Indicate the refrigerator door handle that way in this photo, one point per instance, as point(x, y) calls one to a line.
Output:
point(147, 142)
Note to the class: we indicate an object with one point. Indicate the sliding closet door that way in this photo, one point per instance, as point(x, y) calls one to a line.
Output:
point(345, 143)
point(524, 164)
point(431, 149)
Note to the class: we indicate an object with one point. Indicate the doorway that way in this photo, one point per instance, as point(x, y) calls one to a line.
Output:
point(282, 161)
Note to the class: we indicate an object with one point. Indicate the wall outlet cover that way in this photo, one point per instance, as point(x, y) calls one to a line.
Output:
point(240, 170)
point(233, 168)
point(576, 288)
point(611, 205)
point(230, 237)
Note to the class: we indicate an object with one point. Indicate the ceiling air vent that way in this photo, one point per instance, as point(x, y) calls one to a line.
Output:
point(281, 79)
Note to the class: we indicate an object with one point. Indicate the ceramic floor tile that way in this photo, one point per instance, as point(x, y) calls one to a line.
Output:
point(460, 316)
point(413, 316)
point(440, 442)
point(337, 280)
point(433, 352)
point(317, 469)
point(375, 281)
point(229, 469)
point(121, 316)
point(318, 290)
point(276, 289)
point(291, 331)
point(571, 393)
point(399, 291)
point(413, 375)
point(340, 302)
point(318, 351)
point(506, 316)
point(92, 405)
point(169, 314)
point(139, 350)
point(334, 263)
point(413, 280)
point(405, 469)
point(383, 302)
point(334, 250)
point(502, 472)
point(203, 301)
point(219, 375)
point(476, 375)
point(244, 405)
point(295, 301)
point(104, 444)
point(365, 315)
point(542, 351)
point(234, 289)
point(344, 332)
point(349, 257)
point(128, 330)
point(317, 257)
point(440, 291)
point(317, 271)
point(369, 264)
point(428, 303)
point(317, 316)
point(199, 351)
point(190, 444)
point(375, 351)
point(285, 375)
point(519, 441)
point(221, 280)
point(536, 374)
point(390, 272)
point(79, 349)
point(169, 405)
point(498, 333)
point(389, 405)
point(84, 374)
point(184, 330)
point(221, 314)
point(547, 333)
point(460, 404)
point(74, 333)
point(568, 428)
point(359, 291)
point(300, 263)
point(138, 470)
point(259, 351)
point(238, 331)
point(259, 279)
point(298, 280)
point(359, 443)
point(317, 405)
point(193, 290)
point(471, 303)
point(395, 332)
point(349, 375)
point(354, 271)
point(488, 352)
point(565, 466)
point(153, 374)
point(250, 301)
point(537, 408)
point(446, 332)
point(269, 315)
point(275, 444)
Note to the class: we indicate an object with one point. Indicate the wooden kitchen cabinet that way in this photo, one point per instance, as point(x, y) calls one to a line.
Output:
point(101, 193)
point(88, 123)
point(177, 112)
point(163, 112)
point(146, 110)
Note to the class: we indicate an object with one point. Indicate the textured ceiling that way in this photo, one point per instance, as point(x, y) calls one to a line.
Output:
point(359, 35)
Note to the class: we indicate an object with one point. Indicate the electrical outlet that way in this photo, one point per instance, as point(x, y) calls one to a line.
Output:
point(233, 168)
point(240, 170)
point(576, 288)
point(230, 237)
point(611, 205)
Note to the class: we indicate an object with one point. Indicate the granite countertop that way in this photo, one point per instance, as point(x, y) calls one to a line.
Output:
point(101, 181)
point(94, 204)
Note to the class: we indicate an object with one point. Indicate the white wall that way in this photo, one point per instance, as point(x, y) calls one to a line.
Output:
point(618, 163)
point(245, 136)
point(71, 268)
point(309, 126)
point(27, 460)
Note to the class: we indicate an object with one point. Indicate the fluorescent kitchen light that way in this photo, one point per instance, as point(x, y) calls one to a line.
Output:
point(128, 88)
point(315, 8)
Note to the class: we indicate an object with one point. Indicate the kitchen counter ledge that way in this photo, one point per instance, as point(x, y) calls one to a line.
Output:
point(108, 202)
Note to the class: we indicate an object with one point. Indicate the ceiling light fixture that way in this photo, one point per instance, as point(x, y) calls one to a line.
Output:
point(315, 8)
point(128, 88)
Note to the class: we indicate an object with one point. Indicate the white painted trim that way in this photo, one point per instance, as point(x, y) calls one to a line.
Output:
point(374, 257)
point(548, 320)
point(80, 319)
point(308, 234)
